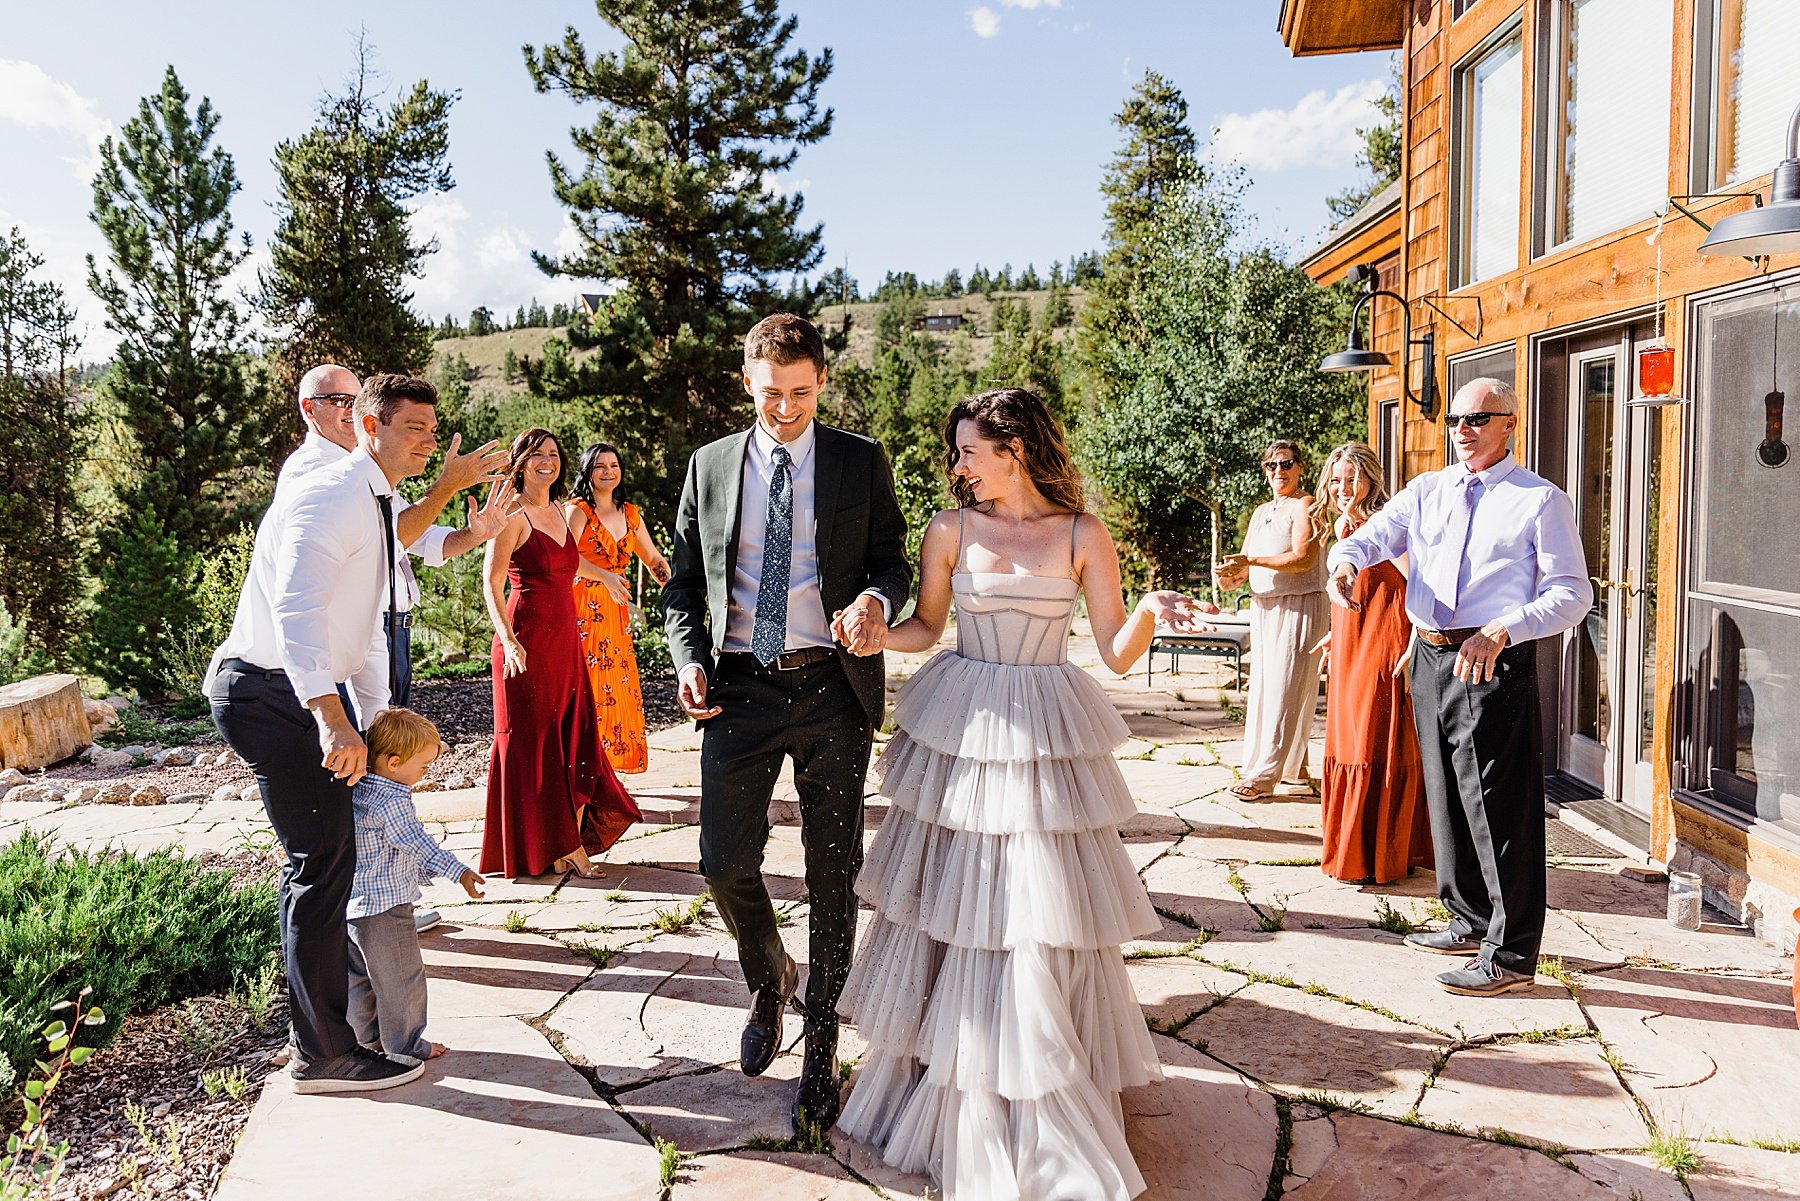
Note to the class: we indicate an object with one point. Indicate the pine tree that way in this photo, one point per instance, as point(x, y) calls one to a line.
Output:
point(179, 386)
point(1029, 281)
point(144, 597)
point(705, 101)
point(43, 436)
point(953, 284)
point(337, 285)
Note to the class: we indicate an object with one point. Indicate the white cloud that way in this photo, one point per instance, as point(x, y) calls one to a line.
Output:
point(485, 264)
point(1030, 4)
point(1319, 131)
point(31, 98)
point(984, 21)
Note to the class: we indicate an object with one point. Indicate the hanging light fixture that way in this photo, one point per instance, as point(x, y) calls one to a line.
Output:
point(1773, 228)
point(1656, 361)
point(1357, 357)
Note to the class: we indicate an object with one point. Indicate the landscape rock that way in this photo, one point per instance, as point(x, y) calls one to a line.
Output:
point(81, 794)
point(176, 756)
point(250, 792)
point(134, 749)
point(188, 798)
point(148, 794)
point(226, 792)
point(460, 781)
point(33, 792)
point(112, 760)
point(114, 794)
point(101, 716)
point(119, 702)
point(11, 778)
point(427, 786)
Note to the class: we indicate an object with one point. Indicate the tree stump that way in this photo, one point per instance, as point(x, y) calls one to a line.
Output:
point(42, 721)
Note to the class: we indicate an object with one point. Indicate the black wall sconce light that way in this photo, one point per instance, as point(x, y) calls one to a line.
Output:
point(1357, 357)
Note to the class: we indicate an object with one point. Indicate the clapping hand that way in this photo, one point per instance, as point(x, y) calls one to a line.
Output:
point(489, 519)
point(485, 463)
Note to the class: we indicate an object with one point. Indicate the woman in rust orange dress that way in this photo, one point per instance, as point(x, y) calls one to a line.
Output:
point(1373, 798)
point(608, 531)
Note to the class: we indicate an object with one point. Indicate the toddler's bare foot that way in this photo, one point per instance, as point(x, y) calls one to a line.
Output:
point(437, 1049)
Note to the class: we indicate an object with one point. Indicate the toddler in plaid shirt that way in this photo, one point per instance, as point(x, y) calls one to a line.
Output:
point(394, 856)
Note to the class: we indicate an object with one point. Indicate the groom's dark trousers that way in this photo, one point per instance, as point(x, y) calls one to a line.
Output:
point(812, 714)
point(818, 706)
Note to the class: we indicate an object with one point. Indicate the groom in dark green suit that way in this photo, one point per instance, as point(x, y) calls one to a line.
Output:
point(790, 562)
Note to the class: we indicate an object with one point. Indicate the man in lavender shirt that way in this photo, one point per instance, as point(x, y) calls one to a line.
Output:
point(1496, 564)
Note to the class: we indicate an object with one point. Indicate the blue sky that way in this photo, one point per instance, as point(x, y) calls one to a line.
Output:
point(964, 132)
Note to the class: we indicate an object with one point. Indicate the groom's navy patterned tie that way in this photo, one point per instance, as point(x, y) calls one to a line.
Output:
point(769, 635)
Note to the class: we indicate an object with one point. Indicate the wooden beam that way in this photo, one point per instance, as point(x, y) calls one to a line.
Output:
point(1342, 26)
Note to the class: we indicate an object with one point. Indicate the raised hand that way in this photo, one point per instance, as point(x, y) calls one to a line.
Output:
point(486, 463)
point(489, 519)
point(1177, 611)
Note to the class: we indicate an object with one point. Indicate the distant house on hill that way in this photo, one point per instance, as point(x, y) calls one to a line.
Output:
point(939, 323)
point(590, 303)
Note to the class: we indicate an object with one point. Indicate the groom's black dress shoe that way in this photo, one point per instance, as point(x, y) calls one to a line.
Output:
point(762, 1033)
point(816, 1100)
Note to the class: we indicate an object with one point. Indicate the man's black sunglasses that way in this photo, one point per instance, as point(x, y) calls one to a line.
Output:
point(1279, 464)
point(1475, 419)
point(342, 400)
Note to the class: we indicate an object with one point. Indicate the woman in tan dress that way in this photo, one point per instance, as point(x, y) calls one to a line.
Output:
point(1373, 800)
point(1289, 614)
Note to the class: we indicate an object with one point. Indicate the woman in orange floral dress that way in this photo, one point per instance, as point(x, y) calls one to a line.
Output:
point(608, 532)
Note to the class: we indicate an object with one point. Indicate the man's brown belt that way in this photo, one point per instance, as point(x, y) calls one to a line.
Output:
point(1447, 637)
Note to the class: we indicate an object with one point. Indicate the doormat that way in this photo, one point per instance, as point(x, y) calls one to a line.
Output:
point(1560, 838)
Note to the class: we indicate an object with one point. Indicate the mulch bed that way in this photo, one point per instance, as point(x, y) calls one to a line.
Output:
point(157, 1061)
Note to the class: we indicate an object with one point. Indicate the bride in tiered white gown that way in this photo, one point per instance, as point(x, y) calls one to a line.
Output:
point(991, 989)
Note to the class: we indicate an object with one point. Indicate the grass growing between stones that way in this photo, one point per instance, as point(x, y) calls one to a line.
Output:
point(1674, 1153)
point(1186, 948)
point(596, 953)
point(515, 922)
point(1284, 1150)
point(1315, 862)
point(1392, 920)
point(674, 921)
point(669, 1164)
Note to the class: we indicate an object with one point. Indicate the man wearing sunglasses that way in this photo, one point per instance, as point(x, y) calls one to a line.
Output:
point(1497, 563)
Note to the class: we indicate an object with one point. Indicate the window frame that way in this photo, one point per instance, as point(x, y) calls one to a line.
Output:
point(1462, 150)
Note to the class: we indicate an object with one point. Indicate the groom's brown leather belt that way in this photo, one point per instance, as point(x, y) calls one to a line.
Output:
point(793, 660)
point(1447, 637)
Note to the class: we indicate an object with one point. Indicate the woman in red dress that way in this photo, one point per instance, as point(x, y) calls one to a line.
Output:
point(552, 796)
point(608, 531)
point(1373, 798)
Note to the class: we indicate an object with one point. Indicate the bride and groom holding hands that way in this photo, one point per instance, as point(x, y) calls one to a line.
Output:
point(989, 987)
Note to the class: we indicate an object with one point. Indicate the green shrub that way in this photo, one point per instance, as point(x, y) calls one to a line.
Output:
point(214, 581)
point(651, 643)
point(139, 931)
point(144, 601)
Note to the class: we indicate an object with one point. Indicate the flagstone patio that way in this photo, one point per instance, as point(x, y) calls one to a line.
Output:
point(1308, 1054)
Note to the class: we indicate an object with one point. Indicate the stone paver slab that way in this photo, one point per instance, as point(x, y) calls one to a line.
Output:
point(478, 972)
point(452, 804)
point(867, 1163)
point(1301, 1043)
point(1174, 988)
point(1552, 1092)
point(1708, 1054)
point(676, 847)
point(1198, 892)
point(1372, 966)
point(101, 825)
point(1201, 1132)
point(1629, 1176)
point(1745, 1174)
point(505, 1122)
point(764, 1175)
point(1630, 917)
point(1386, 1161)
point(715, 1110)
point(1250, 844)
point(1166, 786)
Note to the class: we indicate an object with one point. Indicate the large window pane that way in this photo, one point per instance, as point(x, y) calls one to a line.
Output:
point(1614, 115)
point(1758, 85)
point(1493, 94)
point(1743, 626)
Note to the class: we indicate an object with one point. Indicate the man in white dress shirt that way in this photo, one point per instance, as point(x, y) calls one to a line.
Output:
point(321, 576)
point(327, 393)
point(1496, 564)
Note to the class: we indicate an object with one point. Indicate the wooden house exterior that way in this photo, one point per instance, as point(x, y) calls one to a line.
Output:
point(1559, 158)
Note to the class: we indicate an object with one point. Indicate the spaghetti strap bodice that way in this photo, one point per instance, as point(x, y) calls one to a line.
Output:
point(1019, 619)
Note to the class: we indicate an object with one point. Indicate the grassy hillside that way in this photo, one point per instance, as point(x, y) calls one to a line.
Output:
point(487, 354)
